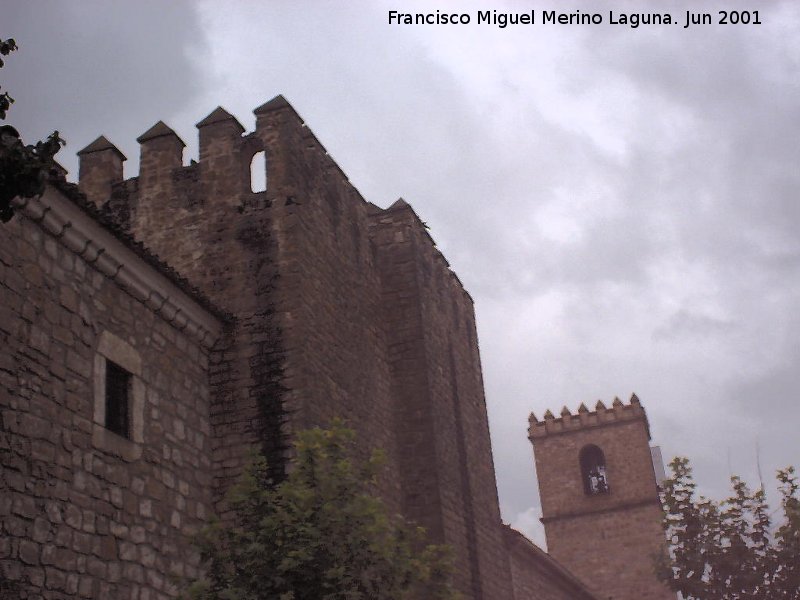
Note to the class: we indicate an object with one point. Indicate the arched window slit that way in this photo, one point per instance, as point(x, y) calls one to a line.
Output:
point(258, 172)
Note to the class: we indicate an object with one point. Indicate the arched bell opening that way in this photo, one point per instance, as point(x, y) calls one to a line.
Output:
point(593, 471)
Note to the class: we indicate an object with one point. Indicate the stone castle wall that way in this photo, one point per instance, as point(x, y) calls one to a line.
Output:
point(342, 309)
point(85, 513)
point(446, 465)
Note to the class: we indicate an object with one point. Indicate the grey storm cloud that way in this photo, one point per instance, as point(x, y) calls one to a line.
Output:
point(91, 67)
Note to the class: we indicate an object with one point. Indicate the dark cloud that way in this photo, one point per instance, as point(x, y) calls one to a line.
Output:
point(93, 67)
point(687, 323)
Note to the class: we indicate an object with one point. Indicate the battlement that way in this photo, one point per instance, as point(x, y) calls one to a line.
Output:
point(224, 144)
point(584, 418)
point(301, 178)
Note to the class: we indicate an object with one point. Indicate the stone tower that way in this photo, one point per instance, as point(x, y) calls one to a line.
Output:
point(339, 308)
point(600, 505)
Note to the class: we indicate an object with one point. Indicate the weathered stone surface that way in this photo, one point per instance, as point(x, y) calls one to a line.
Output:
point(61, 495)
point(536, 575)
point(29, 552)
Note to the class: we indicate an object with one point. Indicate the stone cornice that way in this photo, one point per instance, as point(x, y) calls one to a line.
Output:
point(80, 233)
point(608, 509)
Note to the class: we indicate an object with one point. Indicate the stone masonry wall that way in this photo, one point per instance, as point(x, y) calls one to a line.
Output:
point(328, 296)
point(614, 552)
point(446, 464)
point(537, 576)
point(295, 267)
point(79, 516)
point(342, 310)
point(205, 222)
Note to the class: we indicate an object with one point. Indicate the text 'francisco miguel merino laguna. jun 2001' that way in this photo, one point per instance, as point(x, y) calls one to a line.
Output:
point(551, 17)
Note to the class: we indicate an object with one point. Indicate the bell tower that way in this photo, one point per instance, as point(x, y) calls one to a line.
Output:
point(600, 505)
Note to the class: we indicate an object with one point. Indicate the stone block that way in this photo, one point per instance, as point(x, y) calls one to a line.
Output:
point(29, 552)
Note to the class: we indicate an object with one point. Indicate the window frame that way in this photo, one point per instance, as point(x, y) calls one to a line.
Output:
point(111, 348)
point(118, 399)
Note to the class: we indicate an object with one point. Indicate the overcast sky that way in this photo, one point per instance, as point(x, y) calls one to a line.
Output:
point(621, 203)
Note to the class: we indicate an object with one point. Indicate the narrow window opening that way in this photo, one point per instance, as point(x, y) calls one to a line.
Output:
point(593, 471)
point(118, 384)
point(258, 172)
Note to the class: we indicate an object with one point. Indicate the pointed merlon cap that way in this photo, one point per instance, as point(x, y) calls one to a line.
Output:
point(565, 412)
point(549, 415)
point(220, 115)
point(582, 409)
point(532, 418)
point(276, 103)
point(399, 203)
point(600, 405)
point(616, 402)
point(158, 130)
point(101, 144)
point(635, 399)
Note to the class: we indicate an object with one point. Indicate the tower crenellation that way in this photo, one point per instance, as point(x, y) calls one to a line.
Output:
point(599, 417)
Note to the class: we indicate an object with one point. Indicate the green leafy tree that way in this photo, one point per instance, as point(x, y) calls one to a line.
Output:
point(787, 554)
point(6, 47)
point(24, 169)
point(729, 550)
point(320, 534)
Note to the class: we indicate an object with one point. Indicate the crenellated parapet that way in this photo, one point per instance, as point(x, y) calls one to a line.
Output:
point(584, 418)
point(296, 164)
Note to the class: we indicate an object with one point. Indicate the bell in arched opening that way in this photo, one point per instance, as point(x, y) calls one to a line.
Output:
point(593, 471)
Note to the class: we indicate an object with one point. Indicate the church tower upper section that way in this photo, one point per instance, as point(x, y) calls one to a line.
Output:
point(599, 495)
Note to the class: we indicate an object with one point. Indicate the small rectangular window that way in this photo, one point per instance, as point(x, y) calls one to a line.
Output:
point(118, 383)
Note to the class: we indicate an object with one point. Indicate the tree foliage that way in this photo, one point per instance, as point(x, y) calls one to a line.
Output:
point(320, 534)
point(24, 169)
point(730, 550)
point(6, 47)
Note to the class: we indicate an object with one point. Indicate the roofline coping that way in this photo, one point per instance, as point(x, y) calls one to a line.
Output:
point(57, 215)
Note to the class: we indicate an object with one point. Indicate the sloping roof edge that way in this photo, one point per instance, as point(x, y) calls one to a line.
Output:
point(512, 536)
point(55, 216)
